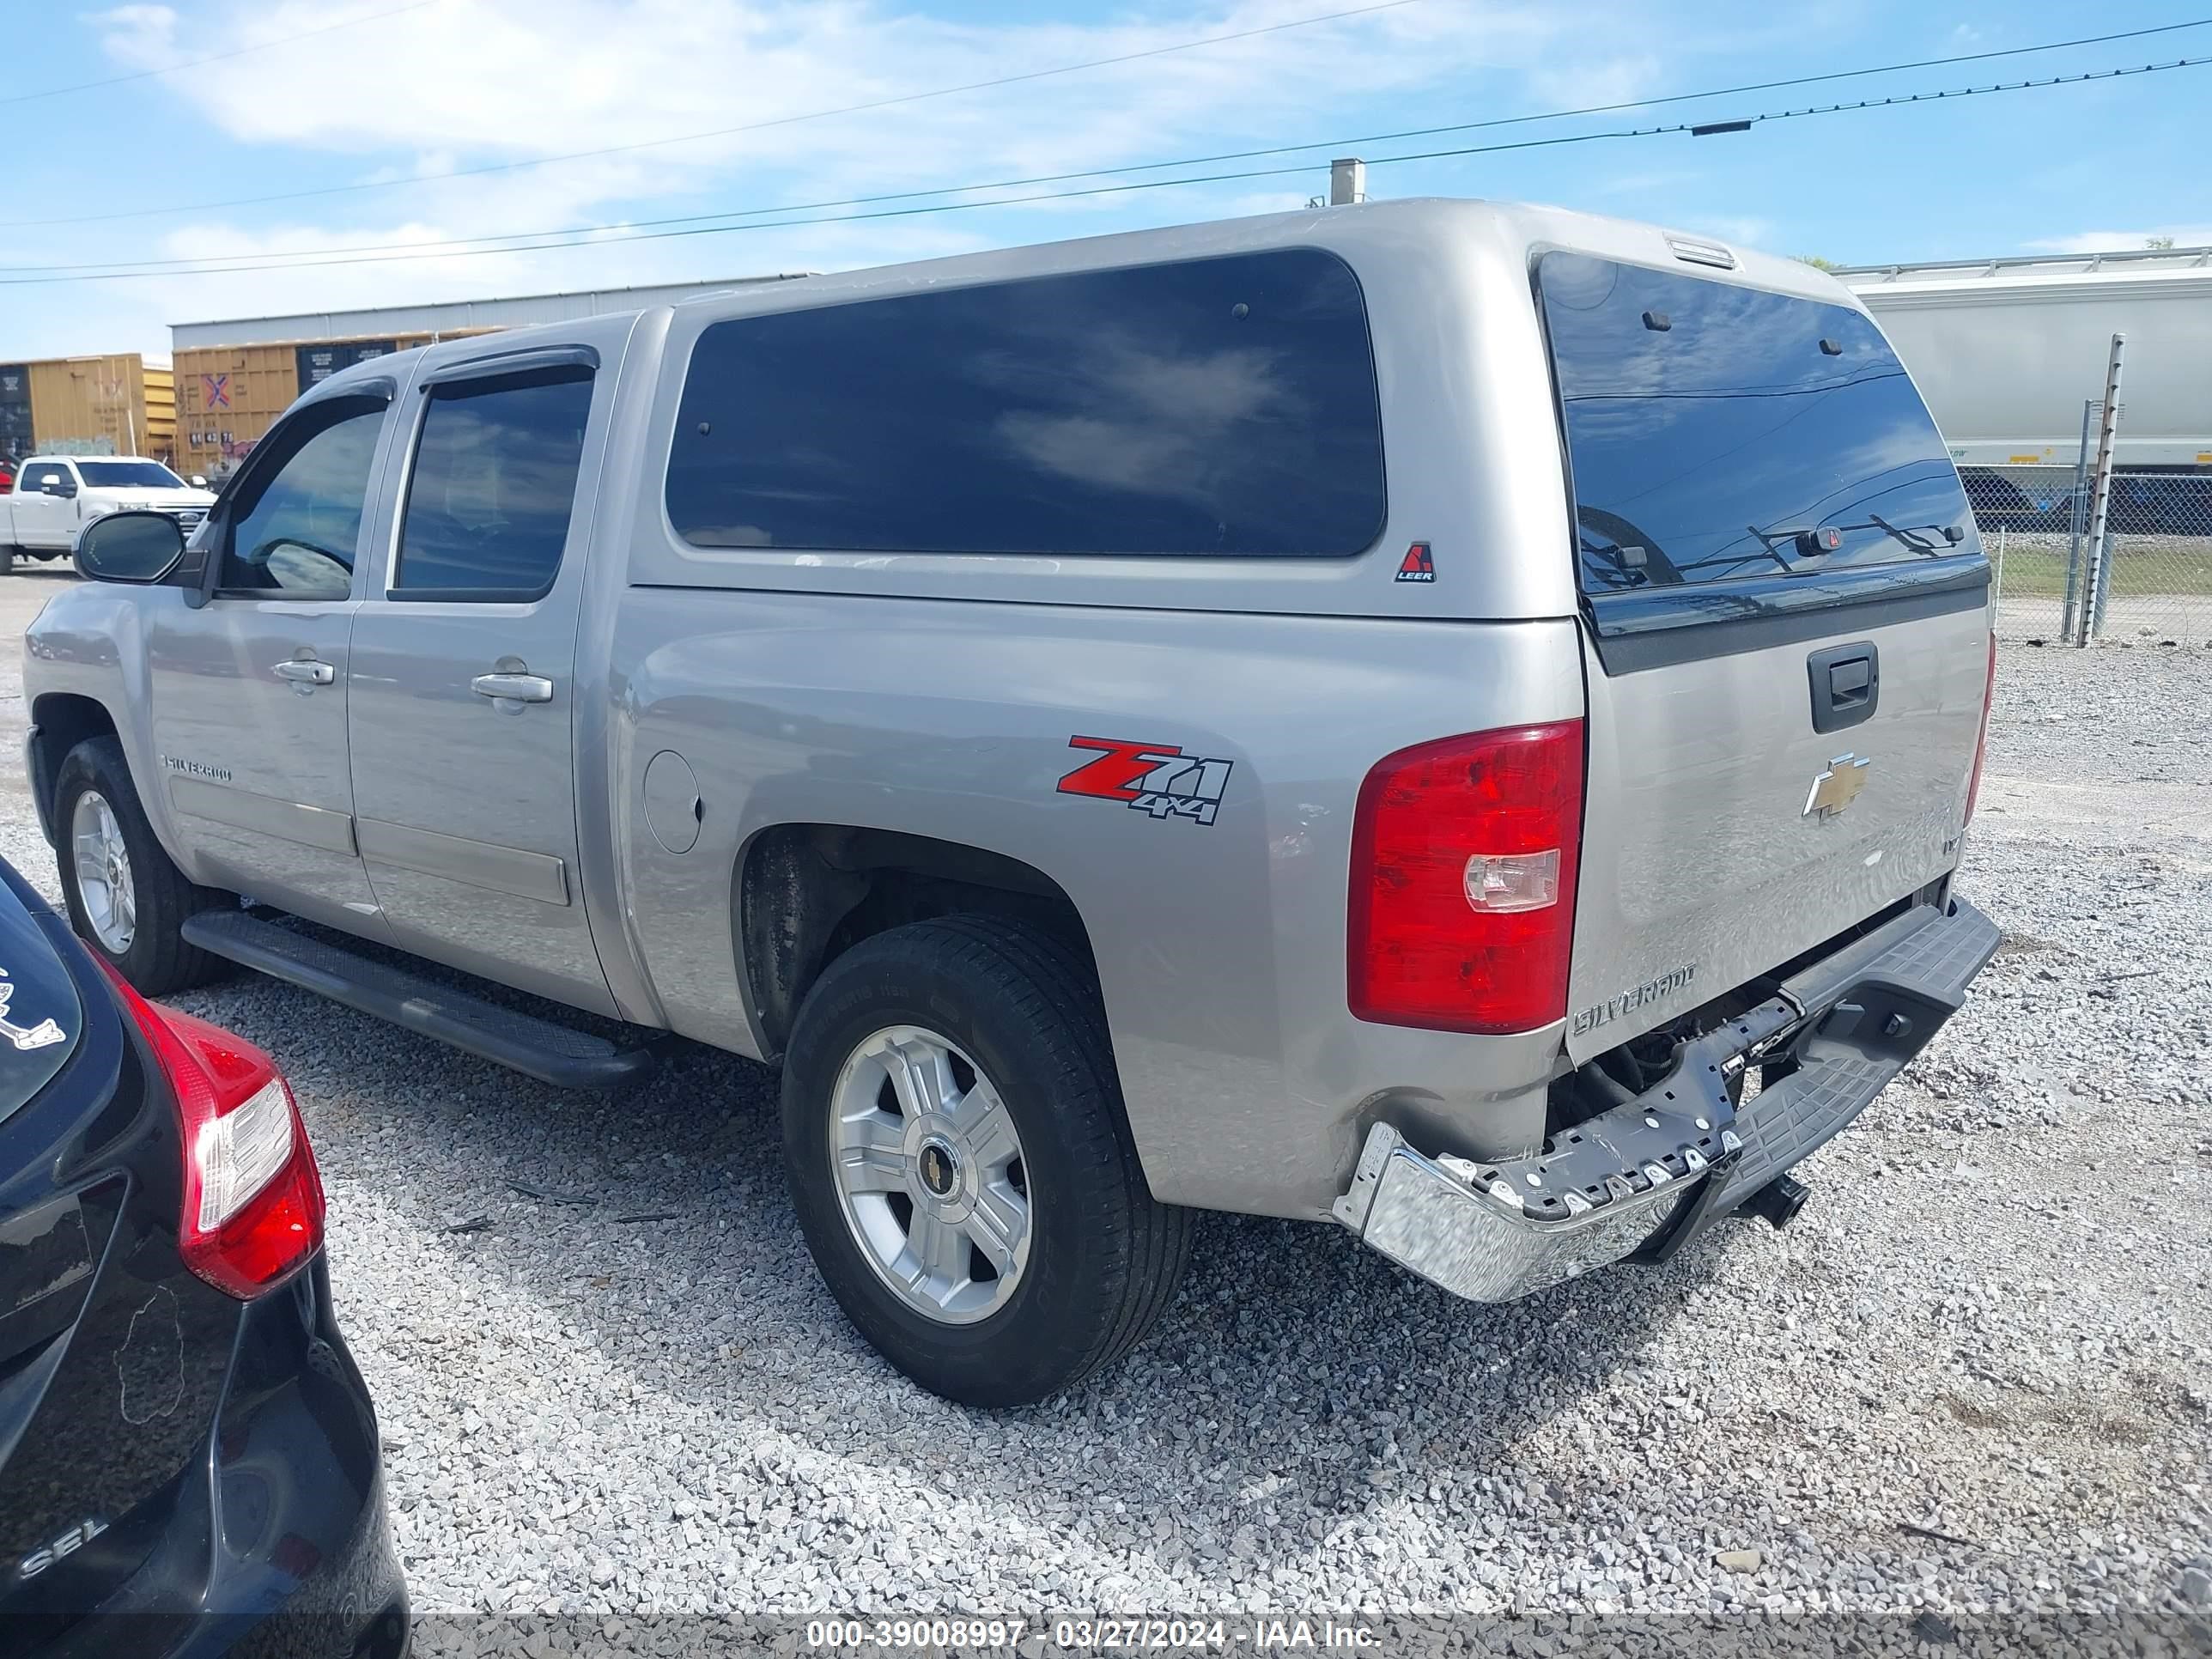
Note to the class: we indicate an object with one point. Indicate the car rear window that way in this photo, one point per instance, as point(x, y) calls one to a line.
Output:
point(1716, 432)
point(40, 1013)
point(1210, 406)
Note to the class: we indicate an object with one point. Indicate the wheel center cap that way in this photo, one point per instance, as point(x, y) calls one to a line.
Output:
point(939, 1168)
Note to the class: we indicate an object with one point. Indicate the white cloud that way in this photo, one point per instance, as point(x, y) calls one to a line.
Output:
point(138, 37)
point(511, 80)
point(472, 83)
point(477, 82)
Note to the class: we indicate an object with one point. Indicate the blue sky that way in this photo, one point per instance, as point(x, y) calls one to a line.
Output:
point(442, 85)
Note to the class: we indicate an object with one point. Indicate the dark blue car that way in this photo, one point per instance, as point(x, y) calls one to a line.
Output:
point(189, 1461)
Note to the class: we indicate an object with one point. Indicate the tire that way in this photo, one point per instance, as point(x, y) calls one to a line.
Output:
point(7, 560)
point(1102, 1258)
point(155, 957)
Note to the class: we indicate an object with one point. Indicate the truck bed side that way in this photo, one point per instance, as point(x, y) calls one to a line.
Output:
point(1219, 946)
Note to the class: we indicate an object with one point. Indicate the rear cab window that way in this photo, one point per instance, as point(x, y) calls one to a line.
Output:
point(1221, 407)
point(490, 495)
point(1735, 452)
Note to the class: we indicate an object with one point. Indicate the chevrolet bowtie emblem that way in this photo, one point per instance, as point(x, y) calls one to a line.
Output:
point(1837, 787)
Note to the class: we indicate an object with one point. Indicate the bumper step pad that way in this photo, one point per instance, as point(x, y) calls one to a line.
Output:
point(552, 1052)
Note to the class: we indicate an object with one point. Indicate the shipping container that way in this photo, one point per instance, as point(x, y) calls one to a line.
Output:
point(15, 411)
point(82, 406)
point(318, 363)
point(228, 396)
point(160, 438)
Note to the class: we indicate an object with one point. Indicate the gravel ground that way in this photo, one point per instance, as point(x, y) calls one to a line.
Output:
point(1968, 1386)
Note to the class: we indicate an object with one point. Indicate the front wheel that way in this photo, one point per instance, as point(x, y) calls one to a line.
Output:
point(7, 560)
point(957, 1150)
point(125, 898)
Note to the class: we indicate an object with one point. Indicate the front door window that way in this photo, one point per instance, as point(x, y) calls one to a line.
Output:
point(294, 528)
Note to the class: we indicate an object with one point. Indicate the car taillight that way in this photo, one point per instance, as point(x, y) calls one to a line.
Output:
point(1463, 893)
point(1982, 742)
point(253, 1208)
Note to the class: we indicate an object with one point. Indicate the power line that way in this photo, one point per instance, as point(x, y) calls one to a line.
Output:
point(214, 261)
point(214, 56)
point(708, 221)
point(1897, 101)
point(719, 133)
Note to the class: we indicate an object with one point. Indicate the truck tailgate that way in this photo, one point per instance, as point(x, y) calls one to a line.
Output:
point(1787, 638)
point(1707, 854)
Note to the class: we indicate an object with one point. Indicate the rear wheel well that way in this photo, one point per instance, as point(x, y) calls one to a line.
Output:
point(62, 721)
point(806, 893)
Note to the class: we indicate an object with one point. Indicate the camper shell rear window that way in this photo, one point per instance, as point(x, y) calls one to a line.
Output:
point(1722, 434)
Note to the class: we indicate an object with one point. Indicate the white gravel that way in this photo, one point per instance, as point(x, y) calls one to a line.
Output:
point(1993, 1323)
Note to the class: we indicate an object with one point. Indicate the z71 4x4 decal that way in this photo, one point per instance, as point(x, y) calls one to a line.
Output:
point(1157, 778)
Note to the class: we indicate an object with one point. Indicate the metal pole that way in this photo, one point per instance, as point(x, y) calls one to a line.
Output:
point(2094, 588)
point(1997, 593)
point(2077, 521)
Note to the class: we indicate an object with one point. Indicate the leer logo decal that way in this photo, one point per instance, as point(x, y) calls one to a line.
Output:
point(1157, 778)
point(1418, 566)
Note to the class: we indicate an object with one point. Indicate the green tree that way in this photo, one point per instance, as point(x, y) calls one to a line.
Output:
point(2158, 244)
point(1817, 261)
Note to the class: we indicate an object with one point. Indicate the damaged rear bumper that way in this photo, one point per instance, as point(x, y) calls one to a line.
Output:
point(1650, 1174)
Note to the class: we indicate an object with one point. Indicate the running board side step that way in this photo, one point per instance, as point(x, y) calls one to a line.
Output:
point(558, 1054)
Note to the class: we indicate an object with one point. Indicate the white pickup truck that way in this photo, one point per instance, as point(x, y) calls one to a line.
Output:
point(55, 496)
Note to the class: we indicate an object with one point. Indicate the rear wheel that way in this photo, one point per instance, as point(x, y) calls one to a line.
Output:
point(125, 898)
point(963, 1171)
point(7, 560)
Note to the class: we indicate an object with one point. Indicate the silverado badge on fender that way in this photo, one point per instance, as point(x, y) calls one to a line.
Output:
point(1837, 787)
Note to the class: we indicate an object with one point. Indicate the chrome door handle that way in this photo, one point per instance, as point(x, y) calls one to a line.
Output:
point(513, 688)
point(304, 672)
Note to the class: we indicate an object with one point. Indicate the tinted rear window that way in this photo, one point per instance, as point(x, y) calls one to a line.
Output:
point(1215, 406)
point(128, 475)
point(493, 486)
point(1716, 432)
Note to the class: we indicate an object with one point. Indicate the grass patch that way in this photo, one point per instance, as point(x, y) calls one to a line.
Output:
point(2146, 569)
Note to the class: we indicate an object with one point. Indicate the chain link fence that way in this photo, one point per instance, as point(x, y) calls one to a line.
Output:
point(2028, 519)
point(2154, 581)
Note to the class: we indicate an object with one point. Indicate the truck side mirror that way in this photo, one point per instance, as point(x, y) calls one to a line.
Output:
point(129, 547)
point(51, 485)
point(198, 482)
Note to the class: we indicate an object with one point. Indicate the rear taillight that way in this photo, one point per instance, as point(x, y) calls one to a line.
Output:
point(1462, 895)
point(253, 1208)
point(1982, 742)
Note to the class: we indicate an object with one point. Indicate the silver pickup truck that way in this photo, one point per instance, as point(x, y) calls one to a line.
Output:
point(1454, 720)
